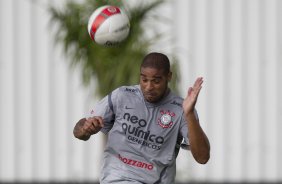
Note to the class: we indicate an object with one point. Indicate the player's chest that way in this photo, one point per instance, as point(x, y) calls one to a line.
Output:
point(161, 119)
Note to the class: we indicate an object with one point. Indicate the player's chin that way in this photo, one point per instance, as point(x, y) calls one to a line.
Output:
point(152, 99)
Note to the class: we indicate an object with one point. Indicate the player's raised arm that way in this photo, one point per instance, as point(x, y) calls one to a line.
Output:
point(84, 128)
point(199, 143)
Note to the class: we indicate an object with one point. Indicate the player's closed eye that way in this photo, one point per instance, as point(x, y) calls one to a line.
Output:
point(144, 80)
point(156, 81)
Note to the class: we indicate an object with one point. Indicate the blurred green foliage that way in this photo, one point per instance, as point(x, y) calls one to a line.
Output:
point(108, 67)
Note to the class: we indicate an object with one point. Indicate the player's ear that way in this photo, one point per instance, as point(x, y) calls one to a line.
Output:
point(169, 76)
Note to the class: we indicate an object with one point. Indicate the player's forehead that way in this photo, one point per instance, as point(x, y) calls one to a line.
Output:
point(150, 72)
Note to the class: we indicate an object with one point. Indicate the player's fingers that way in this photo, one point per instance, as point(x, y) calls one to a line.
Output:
point(87, 130)
point(94, 127)
point(96, 124)
point(88, 126)
point(198, 85)
point(189, 91)
point(89, 122)
point(100, 121)
point(199, 81)
point(197, 90)
point(90, 119)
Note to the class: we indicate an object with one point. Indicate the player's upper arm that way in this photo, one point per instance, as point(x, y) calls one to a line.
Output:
point(106, 109)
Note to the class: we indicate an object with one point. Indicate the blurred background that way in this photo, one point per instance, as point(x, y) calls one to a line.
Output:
point(47, 86)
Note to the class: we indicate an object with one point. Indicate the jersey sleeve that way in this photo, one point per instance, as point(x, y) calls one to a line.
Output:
point(105, 109)
point(184, 132)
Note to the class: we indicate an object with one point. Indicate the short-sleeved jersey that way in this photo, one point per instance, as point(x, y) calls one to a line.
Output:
point(143, 138)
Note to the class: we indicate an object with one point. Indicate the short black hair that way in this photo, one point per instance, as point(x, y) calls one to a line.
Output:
point(156, 60)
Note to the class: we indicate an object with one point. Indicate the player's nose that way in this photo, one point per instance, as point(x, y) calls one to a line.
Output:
point(149, 86)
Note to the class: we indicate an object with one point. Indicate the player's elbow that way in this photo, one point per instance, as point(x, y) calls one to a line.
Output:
point(203, 159)
point(202, 156)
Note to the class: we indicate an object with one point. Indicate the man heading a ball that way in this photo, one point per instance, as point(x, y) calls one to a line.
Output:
point(146, 125)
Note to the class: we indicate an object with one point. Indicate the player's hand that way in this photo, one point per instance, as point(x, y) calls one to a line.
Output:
point(192, 95)
point(84, 128)
point(93, 125)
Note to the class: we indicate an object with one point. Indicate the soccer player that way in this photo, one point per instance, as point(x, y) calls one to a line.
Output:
point(146, 125)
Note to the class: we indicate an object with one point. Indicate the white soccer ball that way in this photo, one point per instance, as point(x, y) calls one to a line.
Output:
point(108, 25)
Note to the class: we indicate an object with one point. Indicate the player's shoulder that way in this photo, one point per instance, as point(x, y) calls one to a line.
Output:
point(176, 100)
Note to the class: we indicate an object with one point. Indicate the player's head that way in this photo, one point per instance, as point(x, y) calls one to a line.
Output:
point(154, 76)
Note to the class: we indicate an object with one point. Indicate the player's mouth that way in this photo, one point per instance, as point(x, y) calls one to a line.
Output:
point(148, 94)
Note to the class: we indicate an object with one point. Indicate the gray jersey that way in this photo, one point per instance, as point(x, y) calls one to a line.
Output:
point(143, 138)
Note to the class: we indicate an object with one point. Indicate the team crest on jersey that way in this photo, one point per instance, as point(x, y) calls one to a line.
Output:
point(165, 120)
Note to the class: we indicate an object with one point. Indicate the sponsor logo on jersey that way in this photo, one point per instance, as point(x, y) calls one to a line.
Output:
point(176, 103)
point(136, 163)
point(165, 120)
point(130, 90)
point(133, 128)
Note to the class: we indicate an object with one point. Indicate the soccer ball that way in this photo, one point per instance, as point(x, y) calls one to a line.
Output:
point(108, 25)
